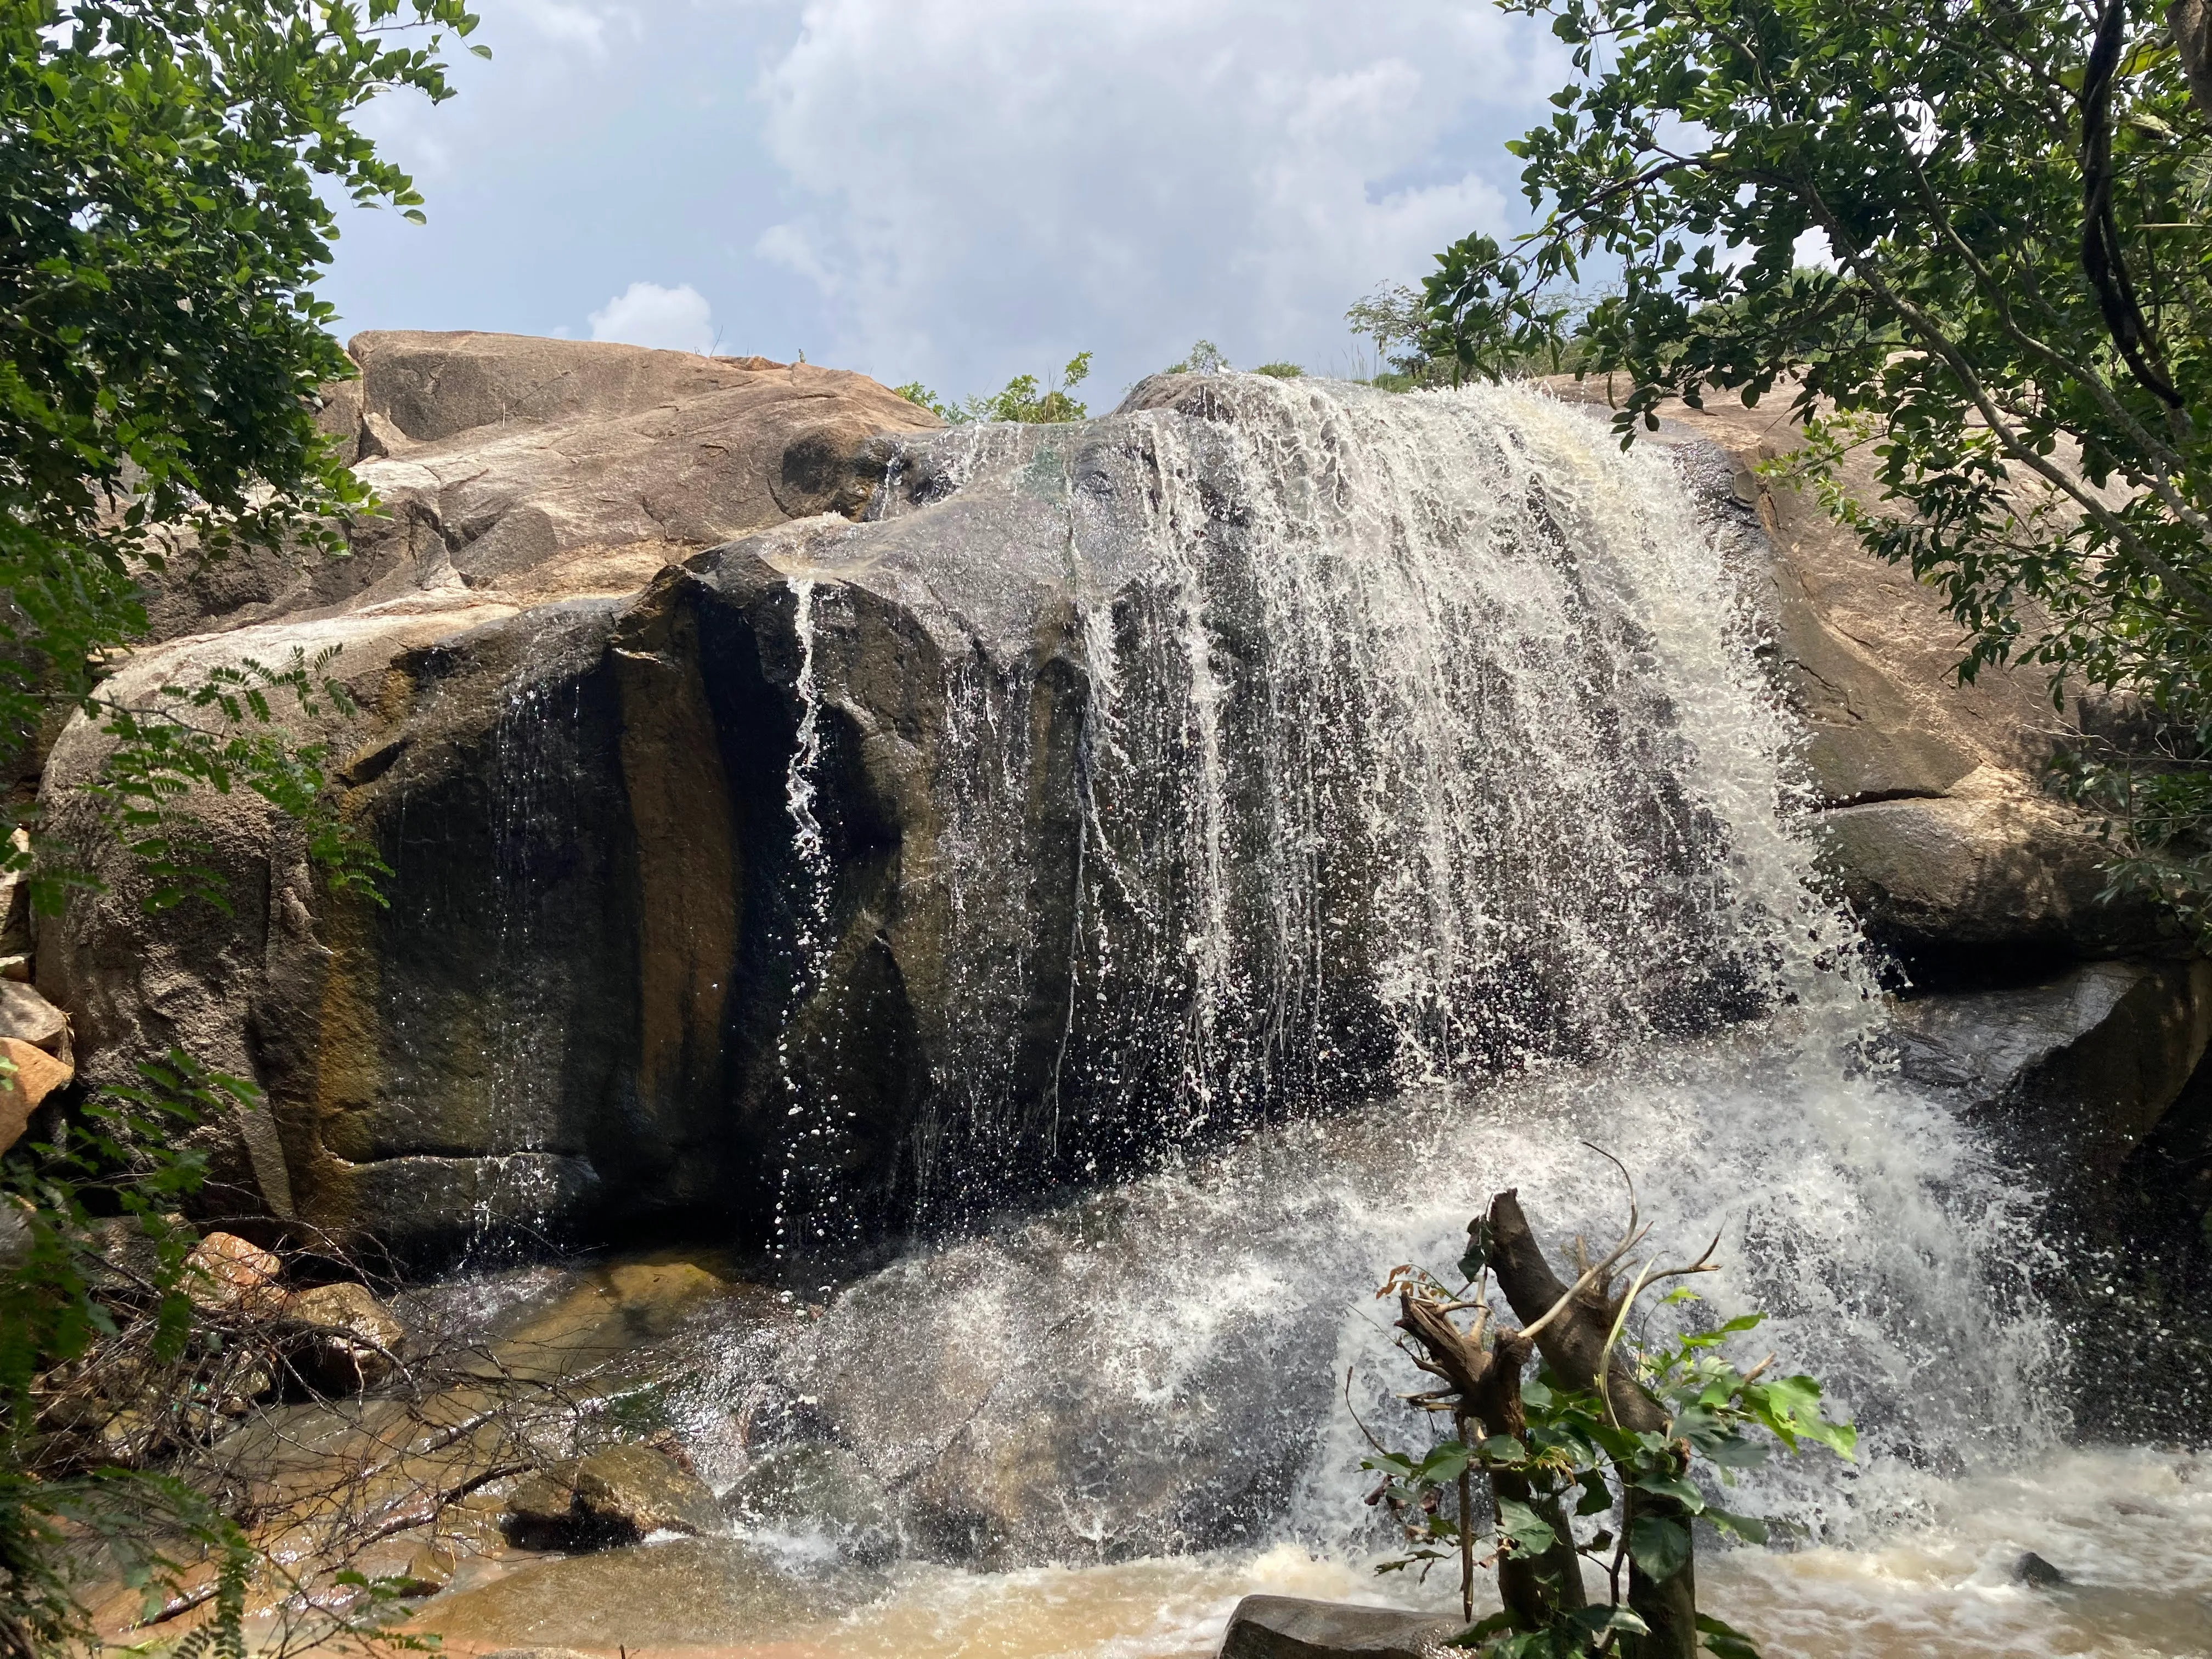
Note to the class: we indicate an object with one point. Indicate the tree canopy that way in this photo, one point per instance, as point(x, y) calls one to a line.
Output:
point(1970, 236)
point(168, 172)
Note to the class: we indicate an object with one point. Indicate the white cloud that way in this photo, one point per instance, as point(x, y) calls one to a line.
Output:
point(647, 314)
point(568, 24)
point(994, 184)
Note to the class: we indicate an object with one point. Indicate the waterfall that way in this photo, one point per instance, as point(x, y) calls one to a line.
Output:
point(799, 1180)
point(531, 786)
point(1428, 771)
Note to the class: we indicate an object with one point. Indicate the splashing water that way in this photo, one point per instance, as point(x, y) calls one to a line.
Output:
point(1427, 754)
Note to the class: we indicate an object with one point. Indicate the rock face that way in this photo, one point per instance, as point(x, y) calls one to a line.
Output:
point(509, 1036)
point(2076, 1071)
point(803, 820)
point(1939, 827)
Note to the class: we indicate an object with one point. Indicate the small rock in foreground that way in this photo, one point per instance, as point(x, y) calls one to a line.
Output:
point(1290, 1627)
point(225, 1271)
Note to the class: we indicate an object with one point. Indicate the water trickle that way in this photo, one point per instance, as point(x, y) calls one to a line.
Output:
point(814, 1121)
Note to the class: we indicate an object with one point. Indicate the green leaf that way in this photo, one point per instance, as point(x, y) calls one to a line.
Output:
point(1530, 1534)
point(1444, 1462)
point(1723, 1640)
point(1594, 1623)
point(1667, 1484)
point(1660, 1547)
point(1501, 1449)
point(1749, 1528)
point(1481, 1630)
point(1476, 1256)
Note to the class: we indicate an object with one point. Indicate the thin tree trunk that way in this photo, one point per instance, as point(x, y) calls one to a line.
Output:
point(1487, 1384)
point(1574, 1344)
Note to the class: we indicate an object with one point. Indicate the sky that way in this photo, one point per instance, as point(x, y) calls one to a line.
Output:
point(952, 191)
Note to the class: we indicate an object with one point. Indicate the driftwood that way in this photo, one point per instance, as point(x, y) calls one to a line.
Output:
point(1573, 1326)
point(1484, 1387)
point(1576, 1326)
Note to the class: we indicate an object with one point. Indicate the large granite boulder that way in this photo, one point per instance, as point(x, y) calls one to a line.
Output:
point(527, 470)
point(468, 1059)
point(803, 819)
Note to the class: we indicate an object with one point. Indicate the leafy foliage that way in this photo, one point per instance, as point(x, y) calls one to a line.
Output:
point(167, 174)
point(2013, 330)
point(119, 1155)
point(1204, 357)
point(1019, 400)
point(1580, 1464)
point(1396, 318)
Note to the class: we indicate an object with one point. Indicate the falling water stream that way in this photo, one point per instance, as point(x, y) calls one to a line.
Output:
point(1435, 717)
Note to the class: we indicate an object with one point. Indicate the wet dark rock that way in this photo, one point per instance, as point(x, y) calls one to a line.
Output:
point(826, 1489)
point(531, 1035)
point(2032, 1569)
point(1290, 1627)
point(616, 1495)
point(2077, 1071)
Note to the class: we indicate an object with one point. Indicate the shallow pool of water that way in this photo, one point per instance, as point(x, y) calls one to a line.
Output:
point(2131, 1531)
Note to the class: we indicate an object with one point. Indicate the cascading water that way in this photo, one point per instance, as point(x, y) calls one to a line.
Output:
point(1427, 756)
point(530, 788)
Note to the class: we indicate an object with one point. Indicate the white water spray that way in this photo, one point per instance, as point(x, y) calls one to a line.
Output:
point(1430, 728)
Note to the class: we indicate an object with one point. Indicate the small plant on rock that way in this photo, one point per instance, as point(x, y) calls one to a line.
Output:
point(1591, 1459)
point(1020, 401)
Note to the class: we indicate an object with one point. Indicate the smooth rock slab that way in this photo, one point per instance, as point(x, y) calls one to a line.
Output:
point(29, 1018)
point(689, 1591)
point(1291, 1627)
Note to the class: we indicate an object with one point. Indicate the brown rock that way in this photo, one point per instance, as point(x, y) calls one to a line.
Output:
point(37, 1075)
point(1937, 820)
point(616, 1495)
point(226, 1271)
point(28, 1017)
point(503, 460)
point(351, 1339)
point(643, 1491)
point(1291, 1627)
point(542, 1507)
